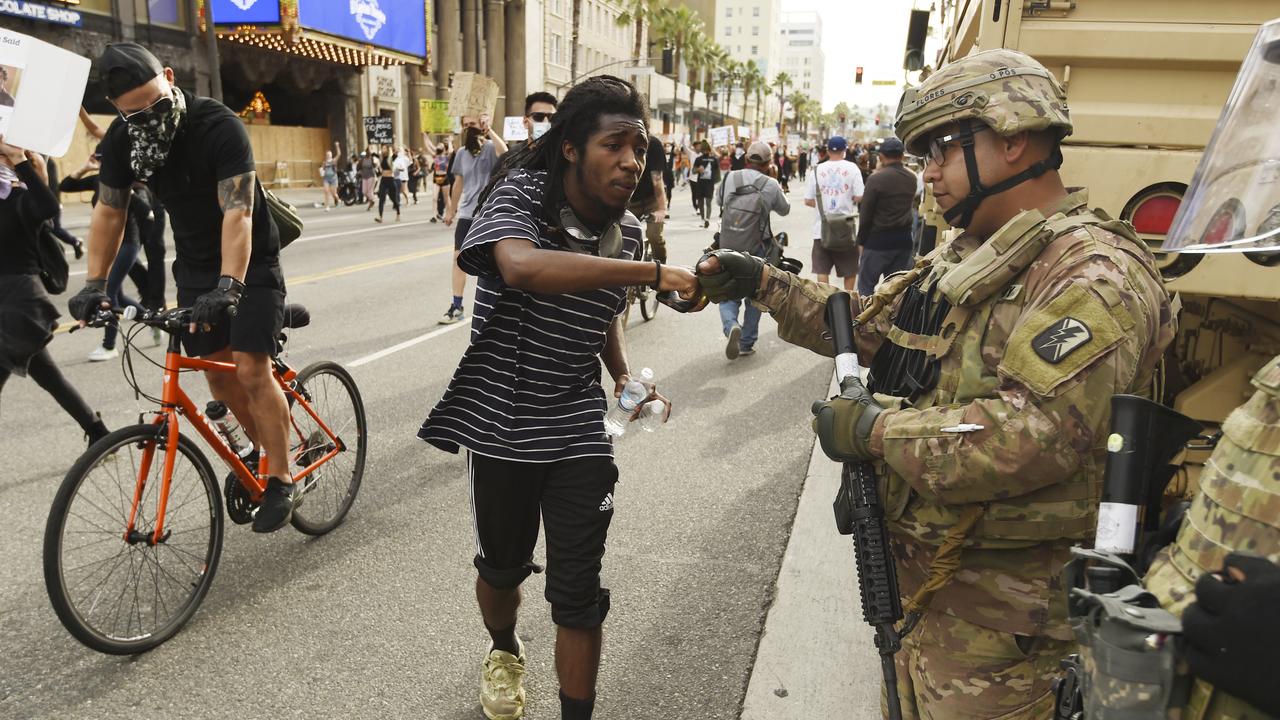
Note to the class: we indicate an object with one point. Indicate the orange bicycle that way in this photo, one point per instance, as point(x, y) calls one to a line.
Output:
point(133, 538)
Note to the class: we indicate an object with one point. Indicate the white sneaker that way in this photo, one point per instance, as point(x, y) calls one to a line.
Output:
point(502, 684)
point(101, 354)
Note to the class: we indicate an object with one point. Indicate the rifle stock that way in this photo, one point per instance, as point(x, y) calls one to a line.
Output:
point(860, 513)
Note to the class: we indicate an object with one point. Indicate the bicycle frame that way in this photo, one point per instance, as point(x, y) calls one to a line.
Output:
point(175, 402)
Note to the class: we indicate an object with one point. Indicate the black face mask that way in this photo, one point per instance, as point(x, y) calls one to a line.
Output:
point(471, 139)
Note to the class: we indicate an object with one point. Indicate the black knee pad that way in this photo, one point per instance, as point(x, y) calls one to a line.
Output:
point(503, 578)
point(584, 617)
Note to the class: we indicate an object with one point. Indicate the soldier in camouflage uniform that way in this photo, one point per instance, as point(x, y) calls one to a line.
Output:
point(1233, 627)
point(993, 370)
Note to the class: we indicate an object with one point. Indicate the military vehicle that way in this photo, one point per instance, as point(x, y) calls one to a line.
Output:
point(1146, 82)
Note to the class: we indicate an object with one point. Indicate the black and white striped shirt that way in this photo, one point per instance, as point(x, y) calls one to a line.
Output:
point(528, 387)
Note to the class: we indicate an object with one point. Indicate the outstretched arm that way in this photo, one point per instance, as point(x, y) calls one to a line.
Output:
point(235, 196)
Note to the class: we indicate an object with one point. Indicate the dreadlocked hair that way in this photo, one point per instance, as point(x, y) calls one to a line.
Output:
point(576, 119)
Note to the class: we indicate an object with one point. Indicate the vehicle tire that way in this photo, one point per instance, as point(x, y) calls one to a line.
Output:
point(329, 491)
point(90, 513)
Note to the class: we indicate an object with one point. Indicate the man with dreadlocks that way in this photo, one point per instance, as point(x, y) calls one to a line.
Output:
point(554, 249)
point(992, 370)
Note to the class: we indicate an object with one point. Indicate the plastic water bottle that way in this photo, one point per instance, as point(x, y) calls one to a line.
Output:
point(633, 393)
point(651, 415)
point(229, 428)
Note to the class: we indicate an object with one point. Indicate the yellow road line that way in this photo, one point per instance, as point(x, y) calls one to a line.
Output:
point(336, 272)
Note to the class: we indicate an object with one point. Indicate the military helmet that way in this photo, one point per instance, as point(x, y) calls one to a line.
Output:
point(1008, 90)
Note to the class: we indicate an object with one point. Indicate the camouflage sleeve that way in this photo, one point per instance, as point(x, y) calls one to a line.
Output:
point(1069, 351)
point(799, 306)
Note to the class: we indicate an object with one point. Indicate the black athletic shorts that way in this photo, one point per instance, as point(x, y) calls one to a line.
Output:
point(575, 499)
point(461, 226)
point(259, 318)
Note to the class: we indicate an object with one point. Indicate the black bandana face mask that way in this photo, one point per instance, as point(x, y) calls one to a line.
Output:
point(150, 139)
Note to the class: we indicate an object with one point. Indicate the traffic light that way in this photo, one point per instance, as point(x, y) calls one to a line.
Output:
point(857, 75)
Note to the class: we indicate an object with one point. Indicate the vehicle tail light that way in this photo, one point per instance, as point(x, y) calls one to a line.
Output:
point(1154, 214)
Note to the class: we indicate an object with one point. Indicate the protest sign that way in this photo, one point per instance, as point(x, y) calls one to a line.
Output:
point(744, 132)
point(434, 116)
point(769, 134)
point(379, 130)
point(513, 128)
point(472, 94)
point(721, 136)
point(41, 87)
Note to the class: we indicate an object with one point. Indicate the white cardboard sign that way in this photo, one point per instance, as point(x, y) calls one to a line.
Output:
point(513, 128)
point(40, 94)
point(721, 136)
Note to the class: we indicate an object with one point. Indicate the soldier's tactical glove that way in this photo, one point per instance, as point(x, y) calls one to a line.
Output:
point(1233, 630)
point(212, 306)
point(86, 303)
point(738, 279)
point(844, 423)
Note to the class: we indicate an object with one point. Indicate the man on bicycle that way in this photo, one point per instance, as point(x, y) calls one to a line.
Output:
point(194, 153)
point(649, 201)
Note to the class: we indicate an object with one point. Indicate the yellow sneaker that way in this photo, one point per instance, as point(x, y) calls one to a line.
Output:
point(502, 685)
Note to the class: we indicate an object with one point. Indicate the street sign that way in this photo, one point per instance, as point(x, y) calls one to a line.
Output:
point(379, 130)
point(434, 116)
point(513, 128)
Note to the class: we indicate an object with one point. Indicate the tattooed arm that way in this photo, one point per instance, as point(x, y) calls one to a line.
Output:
point(235, 195)
point(106, 229)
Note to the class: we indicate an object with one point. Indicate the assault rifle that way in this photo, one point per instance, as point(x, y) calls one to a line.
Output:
point(860, 513)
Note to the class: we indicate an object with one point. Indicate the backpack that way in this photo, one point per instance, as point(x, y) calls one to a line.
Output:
point(744, 222)
point(838, 230)
point(54, 272)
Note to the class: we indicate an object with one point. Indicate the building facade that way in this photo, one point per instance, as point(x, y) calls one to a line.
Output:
point(802, 56)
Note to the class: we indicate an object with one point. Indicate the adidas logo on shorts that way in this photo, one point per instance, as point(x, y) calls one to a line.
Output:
point(607, 505)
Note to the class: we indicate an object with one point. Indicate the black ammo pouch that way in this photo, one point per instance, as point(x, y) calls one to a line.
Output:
point(909, 372)
point(1128, 666)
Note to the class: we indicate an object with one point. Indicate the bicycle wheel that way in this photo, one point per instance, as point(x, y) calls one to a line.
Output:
point(121, 595)
point(648, 298)
point(329, 491)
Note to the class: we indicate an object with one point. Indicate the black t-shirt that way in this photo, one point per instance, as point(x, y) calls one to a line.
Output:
point(655, 160)
point(211, 145)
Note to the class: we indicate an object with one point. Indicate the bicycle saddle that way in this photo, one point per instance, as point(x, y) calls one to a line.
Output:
point(296, 316)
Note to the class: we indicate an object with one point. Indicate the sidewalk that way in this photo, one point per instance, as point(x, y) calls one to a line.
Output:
point(817, 658)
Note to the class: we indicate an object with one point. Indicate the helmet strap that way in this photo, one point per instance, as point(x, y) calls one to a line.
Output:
point(962, 213)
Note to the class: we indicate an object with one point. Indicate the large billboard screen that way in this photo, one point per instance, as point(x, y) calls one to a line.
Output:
point(399, 25)
point(245, 12)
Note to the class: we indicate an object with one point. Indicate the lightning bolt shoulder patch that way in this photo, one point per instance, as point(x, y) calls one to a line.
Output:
point(1059, 340)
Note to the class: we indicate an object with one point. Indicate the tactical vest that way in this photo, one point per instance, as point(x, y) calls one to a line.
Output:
point(1238, 485)
point(986, 293)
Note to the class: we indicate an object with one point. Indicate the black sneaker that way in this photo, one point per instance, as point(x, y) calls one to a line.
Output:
point(733, 348)
point(745, 351)
point(452, 315)
point(277, 506)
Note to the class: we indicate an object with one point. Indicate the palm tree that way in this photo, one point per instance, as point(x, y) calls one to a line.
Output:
point(675, 26)
point(638, 12)
point(698, 53)
point(573, 42)
point(799, 105)
point(729, 74)
point(753, 83)
point(780, 81)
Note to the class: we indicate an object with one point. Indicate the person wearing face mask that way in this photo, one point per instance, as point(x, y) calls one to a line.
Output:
point(738, 160)
point(539, 108)
point(193, 153)
point(472, 165)
point(993, 366)
point(552, 246)
point(27, 315)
